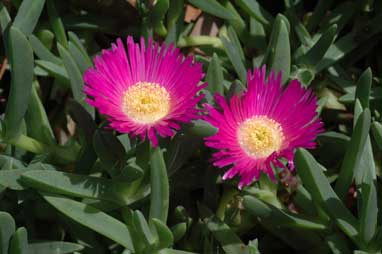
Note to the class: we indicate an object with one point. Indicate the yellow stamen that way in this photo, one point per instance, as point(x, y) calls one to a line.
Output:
point(146, 102)
point(260, 136)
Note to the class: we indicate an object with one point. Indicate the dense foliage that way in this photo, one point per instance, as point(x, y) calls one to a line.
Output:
point(70, 184)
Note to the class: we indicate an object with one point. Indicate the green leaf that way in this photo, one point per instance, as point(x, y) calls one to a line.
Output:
point(179, 230)
point(143, 229)
point(54, 70)
point(28, 15)
point(56, 23)
point(363, 88)
point(171, 251)
point(318, 13)
point(278, 55)
point(38, 126)
point(9, 162)
point(43, 52)
point(77, 55)
point(376, 129)
point(227, 238)
point(157, 15)
point(368, 197)
point(281, 218)
point(213, 7)
point(76, 41)
point(159, 199)
point(318, 50)
point(92, 218)
point(19, 242)
point(11, 179)
point(54, 247)
point(337, 244)
point(254, 9)
point(77, 185)
point(7, 229)
point(5, 22)
point(214, 76)
point(85, 129)
point(322, 193)
point(258, 35)
point(75, 77)
point(234, 55)
point(348, 43)
point(166, 239)
point(353, 155)
point(253, 247)
point(108, 148)
point(21, 61)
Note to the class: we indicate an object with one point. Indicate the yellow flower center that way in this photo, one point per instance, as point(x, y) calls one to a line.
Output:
point(260, 136)
point(146, 102)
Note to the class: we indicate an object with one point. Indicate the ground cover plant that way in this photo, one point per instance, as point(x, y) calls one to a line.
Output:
point(190, 126)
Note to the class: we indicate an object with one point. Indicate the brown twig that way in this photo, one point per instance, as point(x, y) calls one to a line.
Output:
point(3, 67)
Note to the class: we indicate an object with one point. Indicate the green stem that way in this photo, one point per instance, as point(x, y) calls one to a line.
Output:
point(225, 199)
point(29, 144)
point(63, 154)
point(201, 40)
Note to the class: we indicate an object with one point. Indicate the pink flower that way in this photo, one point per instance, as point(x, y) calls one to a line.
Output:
point(263, 125)
point(146, 91)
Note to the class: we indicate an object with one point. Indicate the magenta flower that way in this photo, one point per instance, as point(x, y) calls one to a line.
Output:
point(146, 91)
point(262, 126)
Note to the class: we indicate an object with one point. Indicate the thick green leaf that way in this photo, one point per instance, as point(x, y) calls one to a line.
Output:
point(165, 237)
point(108, 148)
point(322, 193)
point(234, 55)
point(353, 155)
point(144, 230)
point(75, 77)
point(213, 7)
point(179, 230)
point(258, 35)
point(317, 52)
point(92, 218)
point(5, 19)
point(280, 217)
point(5, 22)
point(38, 126)
point(368, 197)
point(227, 238)
point(19, 242)
point(28, 15)
point(376, 129)
point(43, 52)
point(7, 229)
point(278, 55)
point(55, 70)
point(76, 41)
point(349, 42)
point(77, 55)
point(85, 130)
point(21, 60)
point(157, 14)
point(159, 199)
point(254, 9)
point(171, 251)
point(11, 179)
point(318, 13)
point(54, 247)
point(214, 76)
point(56, 23)
point(363, 88)
point(78, 186)
point(9, 162)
